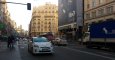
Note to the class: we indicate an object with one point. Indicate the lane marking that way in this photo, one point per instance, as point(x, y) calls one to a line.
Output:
point(76, 50)
point(18, 51)
point(103, 52)
point(106, 53)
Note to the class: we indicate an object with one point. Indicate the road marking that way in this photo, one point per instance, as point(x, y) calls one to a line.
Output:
point(105, 53)
point(76, 50)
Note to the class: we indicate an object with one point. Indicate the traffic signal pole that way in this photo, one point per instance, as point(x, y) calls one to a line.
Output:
point(28, 4)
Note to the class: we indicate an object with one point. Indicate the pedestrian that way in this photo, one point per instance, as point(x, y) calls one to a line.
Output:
point(10, 41)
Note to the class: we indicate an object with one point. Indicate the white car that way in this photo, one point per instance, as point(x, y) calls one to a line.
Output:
point(59, 41)
point(40, 45)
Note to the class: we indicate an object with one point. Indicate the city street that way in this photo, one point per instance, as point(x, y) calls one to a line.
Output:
point(71, 52)
point(85, 28)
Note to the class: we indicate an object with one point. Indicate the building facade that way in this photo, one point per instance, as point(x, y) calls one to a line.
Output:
point(20, 31)
point(44, 20)
point(98, 11)
point(5, 20)
point(70, 17)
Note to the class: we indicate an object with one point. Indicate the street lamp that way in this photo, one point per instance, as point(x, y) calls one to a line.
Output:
point(73, 16)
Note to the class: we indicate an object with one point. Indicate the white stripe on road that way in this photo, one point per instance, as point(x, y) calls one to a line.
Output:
point(76, 50)
point(106, 53)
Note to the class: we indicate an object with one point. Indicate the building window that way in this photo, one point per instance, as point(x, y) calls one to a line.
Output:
point(38, 19)
point(42, 11)
point(41, 25)
point(101, 1)
point(93, 3)
point(38, 26)
point(109, 9)
point(38, 29)
point(52, 7)
point(52, 19)
point(45, 23)
point(93, 14)
point(49, 26)
point(41, 29)
point(100, 12)
point(34, 23)
point(49, 22)
point(87, 16)
point(87, 4)
point(45, 27)
point(52, 11)
point(38, 22)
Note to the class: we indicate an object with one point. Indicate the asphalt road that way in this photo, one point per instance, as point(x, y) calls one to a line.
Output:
point(71, 52)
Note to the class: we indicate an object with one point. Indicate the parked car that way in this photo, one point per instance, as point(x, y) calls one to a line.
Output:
point(56, 41)
point(25, 39)
point(59, 41)
point(38, 45)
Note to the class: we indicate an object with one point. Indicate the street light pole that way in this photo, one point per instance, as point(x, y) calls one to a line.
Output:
point(28, 4)
point(13, 3)
point(82, 28)
point(73, 32)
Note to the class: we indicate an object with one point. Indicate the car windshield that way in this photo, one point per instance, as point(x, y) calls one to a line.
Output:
point(40, 40)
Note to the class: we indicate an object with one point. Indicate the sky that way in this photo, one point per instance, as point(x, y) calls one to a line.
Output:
point(20, 14)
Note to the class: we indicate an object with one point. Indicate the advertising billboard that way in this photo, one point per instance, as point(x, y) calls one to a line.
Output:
point(103, 29)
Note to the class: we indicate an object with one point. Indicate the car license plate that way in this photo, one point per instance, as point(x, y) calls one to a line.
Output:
point(45, 49)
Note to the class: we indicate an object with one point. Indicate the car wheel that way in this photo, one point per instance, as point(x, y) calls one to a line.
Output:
point(32, 50)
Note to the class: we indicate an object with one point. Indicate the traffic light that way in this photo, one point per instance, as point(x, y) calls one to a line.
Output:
point(28, 6)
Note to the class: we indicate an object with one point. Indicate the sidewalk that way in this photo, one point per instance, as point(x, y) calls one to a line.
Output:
point(9, 54)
